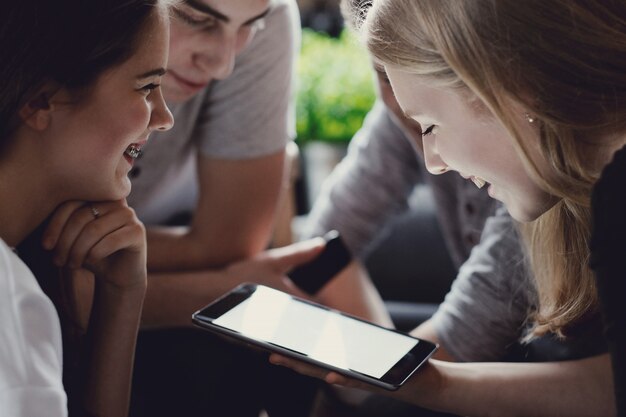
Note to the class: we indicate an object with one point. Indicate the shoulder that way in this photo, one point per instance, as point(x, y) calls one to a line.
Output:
point(10, 267)
point(281, 32)
point(20, 291)
point(381, 137)
point(382, 122)
point(283, 12)
point(30, 336)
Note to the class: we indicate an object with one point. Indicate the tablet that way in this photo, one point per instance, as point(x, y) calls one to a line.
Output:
point(281, 323)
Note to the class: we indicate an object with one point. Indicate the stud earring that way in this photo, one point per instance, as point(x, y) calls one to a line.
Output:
point(529, 117)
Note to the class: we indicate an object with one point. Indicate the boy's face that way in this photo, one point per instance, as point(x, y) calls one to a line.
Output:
point(206, 36)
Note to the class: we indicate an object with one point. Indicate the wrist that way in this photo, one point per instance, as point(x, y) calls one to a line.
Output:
point(427, 386)
point(114, 304)
point(108, 289)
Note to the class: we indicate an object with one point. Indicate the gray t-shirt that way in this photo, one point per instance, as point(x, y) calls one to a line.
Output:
point(485, 314)
point(486, 309)
point(249, 114)
point(375, 180)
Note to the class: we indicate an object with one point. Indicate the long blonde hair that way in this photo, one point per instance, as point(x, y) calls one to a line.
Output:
point(563, 61)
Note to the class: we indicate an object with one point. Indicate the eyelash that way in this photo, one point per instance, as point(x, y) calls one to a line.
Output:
point(428, 131)
point(208, 23)
point(150, 87)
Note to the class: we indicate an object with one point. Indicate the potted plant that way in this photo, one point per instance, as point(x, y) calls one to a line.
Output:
point(335, 90)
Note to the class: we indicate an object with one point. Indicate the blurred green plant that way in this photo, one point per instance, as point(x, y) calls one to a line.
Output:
point(335, 87)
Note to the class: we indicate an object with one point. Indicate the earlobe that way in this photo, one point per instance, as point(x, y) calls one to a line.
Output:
point(36, 113)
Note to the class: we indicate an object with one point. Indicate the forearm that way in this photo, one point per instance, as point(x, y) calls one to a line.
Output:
point(172, 297)
point(110, 347)
point(572, 388)
point(225, 227)
point(183, 249)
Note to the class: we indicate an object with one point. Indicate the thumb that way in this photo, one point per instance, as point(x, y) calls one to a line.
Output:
point(288, 257)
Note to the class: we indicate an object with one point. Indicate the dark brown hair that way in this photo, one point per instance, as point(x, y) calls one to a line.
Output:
point(68, 42)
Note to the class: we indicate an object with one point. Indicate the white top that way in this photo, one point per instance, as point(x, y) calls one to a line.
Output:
point(30, 344)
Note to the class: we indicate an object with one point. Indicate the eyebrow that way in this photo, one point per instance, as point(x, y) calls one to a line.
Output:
point(201, 7)
point(151, 73)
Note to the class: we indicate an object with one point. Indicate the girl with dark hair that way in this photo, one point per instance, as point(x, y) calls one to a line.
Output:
point(79, 97)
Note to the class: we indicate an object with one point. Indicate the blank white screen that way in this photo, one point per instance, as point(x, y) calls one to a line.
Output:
point(273, 316)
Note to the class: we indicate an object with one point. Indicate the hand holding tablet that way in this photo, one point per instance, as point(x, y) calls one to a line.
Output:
point(309, 332)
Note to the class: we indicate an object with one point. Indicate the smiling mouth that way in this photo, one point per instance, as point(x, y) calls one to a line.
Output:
point(133, 151)
point(186, 82)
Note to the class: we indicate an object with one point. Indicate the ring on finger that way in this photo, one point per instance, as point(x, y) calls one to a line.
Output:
point(94, 211)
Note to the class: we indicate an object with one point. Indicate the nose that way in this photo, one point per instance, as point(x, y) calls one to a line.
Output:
point(161, 118)
point(434, 164)
point(220, 62)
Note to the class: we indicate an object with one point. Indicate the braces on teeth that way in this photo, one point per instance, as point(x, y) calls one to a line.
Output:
point(133, 151)
point(478, 182)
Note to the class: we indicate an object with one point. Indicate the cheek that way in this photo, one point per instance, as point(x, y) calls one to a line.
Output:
point(134, 122)
point(244, 38)
point(124, 128)
point(180, 49)
point(489, 146)
point(464, 152)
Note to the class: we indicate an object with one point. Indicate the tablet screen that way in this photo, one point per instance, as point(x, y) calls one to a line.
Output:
point(338, 340)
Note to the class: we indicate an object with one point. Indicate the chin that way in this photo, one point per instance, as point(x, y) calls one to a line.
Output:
point(121, 191)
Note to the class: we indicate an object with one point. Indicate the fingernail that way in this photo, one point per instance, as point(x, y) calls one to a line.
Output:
point(275, 361)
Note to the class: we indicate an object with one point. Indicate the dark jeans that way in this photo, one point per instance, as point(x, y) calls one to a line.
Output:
point(189, 372)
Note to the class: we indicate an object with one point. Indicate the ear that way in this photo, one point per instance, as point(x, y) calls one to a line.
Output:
point(36, 112)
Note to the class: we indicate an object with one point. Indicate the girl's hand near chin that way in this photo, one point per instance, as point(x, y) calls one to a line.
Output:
point(105, 238)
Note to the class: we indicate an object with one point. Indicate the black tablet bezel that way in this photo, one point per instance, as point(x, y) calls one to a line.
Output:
point(392, 380)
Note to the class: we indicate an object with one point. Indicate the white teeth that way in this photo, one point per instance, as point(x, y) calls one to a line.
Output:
point(478, 182)
point(133, 151)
